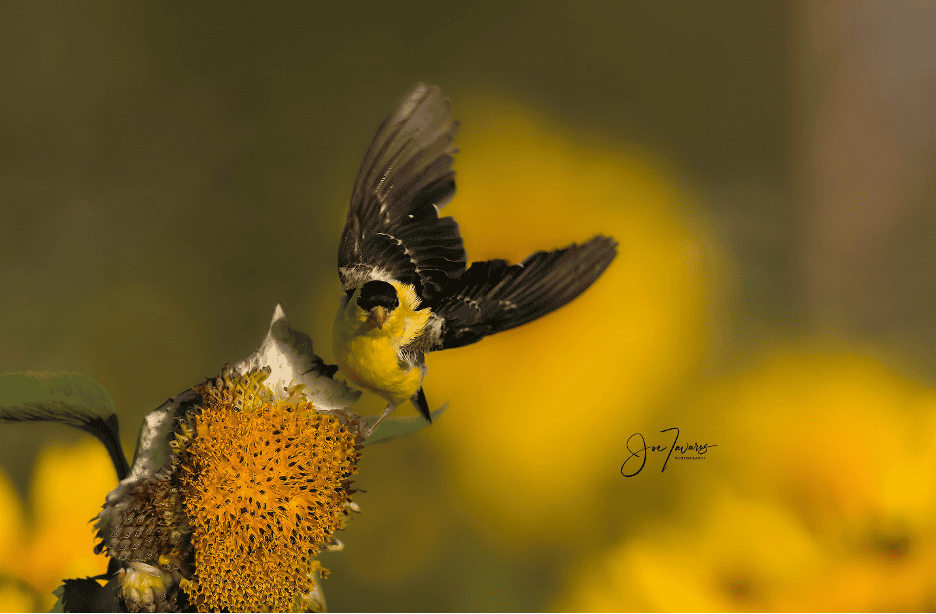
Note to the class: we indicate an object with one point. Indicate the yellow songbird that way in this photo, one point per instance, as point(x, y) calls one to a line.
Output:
point(403, 268)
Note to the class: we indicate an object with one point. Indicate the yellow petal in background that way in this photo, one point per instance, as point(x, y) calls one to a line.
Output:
point(836, 435)
point(738, 555)
point(848, 444)
point(539, 413)
point(827, 465)
point(13, 596)
point(68, 488)
point(16, 598)
point(11, 519)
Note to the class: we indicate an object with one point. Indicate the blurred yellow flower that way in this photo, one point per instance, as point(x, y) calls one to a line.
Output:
point(828, 502)
point(17, 598)
point(67, 487)
point(741, 555)
point(848, 445)
point(539, 413)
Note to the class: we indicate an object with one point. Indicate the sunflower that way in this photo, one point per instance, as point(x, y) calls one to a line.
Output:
point(236, 486)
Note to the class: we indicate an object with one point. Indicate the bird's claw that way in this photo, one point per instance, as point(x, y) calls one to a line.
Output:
point(386, 412)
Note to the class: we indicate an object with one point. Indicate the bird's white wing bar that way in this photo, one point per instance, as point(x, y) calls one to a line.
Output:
point(393, 222)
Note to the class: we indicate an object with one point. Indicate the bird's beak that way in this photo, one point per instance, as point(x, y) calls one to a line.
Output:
point(379, 315)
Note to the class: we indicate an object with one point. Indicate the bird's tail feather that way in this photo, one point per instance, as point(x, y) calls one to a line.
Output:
point(419, 400)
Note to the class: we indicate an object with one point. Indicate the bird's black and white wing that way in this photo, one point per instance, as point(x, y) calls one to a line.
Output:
point(494, 296)
point(393, 230)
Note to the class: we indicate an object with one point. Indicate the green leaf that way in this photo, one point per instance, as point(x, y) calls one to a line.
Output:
point(68, 398)
point(59, 606)
point(392, 428)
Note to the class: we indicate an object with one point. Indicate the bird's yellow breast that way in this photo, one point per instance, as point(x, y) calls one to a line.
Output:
point(371, 362)
point(369, 356)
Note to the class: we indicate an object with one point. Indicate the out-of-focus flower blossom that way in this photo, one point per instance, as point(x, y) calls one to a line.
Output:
point(54, 540)
point(828, 503)
point(737, 555)
point(563, 391)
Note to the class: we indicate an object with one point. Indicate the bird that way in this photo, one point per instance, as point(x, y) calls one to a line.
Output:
point(408, 289)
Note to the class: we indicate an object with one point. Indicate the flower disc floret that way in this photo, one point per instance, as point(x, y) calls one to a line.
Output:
point(266, 482)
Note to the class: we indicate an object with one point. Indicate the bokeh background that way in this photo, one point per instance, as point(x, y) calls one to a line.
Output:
point(169, 171)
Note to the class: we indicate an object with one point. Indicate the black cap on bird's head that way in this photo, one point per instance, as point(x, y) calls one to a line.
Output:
point(379, 299)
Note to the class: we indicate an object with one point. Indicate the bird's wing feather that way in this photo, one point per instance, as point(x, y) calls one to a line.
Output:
point(494, 296)
point(393, 224)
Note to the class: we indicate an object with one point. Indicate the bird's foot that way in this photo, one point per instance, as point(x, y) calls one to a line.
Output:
point(386, 412)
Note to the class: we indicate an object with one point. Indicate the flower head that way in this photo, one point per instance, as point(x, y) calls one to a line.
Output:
point(238, 484)
point(265, 483)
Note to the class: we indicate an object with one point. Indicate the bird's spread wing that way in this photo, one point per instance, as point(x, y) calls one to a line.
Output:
point(494, 296)
point(393, 227)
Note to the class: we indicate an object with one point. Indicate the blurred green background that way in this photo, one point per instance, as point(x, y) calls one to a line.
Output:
point(169, 171)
